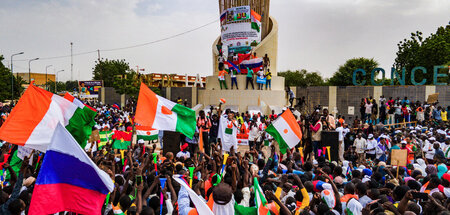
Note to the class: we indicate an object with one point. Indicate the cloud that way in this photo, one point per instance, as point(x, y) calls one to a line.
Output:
point(318, 35)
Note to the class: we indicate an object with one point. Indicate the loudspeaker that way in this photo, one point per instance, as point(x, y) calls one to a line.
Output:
point(331, 138)
point(171, 142)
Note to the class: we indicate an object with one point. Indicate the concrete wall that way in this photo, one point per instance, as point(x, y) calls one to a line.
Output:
point(343, 97)
point(444, 95)
point(107, 95)
point(243, 98)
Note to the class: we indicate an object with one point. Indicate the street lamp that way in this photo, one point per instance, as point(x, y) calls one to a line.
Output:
point(56, 78)
point(46, 79)
point(12, 77)
point(29, 69)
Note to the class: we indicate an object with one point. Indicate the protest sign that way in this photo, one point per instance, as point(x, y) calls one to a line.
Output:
point(23, 151)
point(95, 136)
point(399, 157)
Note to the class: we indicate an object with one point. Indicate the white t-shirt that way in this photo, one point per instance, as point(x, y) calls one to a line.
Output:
point(183, 154)
point(341, 133)
point(371, 146)
point(260, 73)
point(429, 150)
point(368, 108)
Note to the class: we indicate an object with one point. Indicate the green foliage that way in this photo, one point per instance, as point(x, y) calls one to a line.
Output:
point(302, 78)
point(71, 86)
point(129, 83)
point(5, 83)
point(108, 70)
point(344, 75)
point(429, 52)
point(60, 86)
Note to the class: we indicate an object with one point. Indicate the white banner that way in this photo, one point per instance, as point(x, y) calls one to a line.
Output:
point(23, 152)
point(239, 34)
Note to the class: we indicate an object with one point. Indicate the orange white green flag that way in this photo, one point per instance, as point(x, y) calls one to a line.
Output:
point(33, 120)
point(162, 114)
point(261, 202)
point(286, 131)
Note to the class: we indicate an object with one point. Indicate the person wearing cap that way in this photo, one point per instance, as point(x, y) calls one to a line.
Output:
point(184, 151)
point(371, 147)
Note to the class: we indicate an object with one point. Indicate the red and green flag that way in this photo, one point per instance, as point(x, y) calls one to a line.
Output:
point(122, 139)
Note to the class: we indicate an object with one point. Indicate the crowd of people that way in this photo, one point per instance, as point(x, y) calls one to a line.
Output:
point(260, 75)
point(390, 111)
point(226, 176)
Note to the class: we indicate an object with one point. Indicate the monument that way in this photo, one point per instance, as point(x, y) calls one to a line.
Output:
point(246, 27)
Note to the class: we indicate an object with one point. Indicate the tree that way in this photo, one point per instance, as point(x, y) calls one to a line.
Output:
point(71, 86)
point(129, 83)
point(302, 78)
point(429, 52)
point(5, 83)
point(108, 70)
point(344, 75)
point(60, 86)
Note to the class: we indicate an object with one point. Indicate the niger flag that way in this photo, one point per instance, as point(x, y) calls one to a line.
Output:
point(161, 114)
point(286, 131)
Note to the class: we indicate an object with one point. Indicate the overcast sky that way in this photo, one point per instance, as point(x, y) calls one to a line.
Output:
point(317, 35)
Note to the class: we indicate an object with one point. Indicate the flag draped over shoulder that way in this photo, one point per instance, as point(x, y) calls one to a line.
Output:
point(122, 139)
point(69, 180)
point(159, 113)
point(35, 117)
point(82, 121)
point(286, 131)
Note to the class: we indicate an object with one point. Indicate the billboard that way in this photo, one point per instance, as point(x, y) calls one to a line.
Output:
point(240, 29)
point(89, 89)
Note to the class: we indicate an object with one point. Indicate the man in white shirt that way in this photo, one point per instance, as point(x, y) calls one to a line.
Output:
point(340, 129)
point(371, 147)
point(361, 145)
point(429, 150)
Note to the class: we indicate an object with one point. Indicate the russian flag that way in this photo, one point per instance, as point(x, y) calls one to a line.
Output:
point(69, 180)
point(252, 63)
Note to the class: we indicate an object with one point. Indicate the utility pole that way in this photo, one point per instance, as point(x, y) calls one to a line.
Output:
point(12, 77)
point(71, 61)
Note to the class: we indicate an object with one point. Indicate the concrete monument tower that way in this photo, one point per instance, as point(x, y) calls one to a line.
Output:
point(239, 35)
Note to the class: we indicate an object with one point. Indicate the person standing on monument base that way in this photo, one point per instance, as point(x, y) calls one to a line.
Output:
point(249, 78)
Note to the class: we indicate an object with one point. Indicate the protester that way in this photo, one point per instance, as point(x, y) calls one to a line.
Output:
point(249, 78)
point(296, 182)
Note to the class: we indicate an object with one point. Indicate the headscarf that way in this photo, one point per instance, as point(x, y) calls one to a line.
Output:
point(422, 170)
point(421, 162)
point(430, 169)
point(442, 169)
